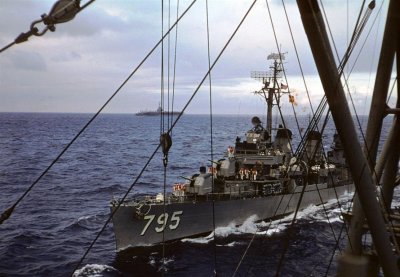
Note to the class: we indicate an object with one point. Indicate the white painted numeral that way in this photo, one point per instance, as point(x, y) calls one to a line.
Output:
point(150, 218)
point(162, 221)
point(175, 218)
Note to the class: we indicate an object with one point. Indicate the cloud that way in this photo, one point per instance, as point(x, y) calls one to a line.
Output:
point(67, 56)
point(85, 60)
point(27, 60)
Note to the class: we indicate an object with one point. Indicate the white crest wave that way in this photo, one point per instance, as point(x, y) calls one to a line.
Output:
point(269, 228)
point(94, 270)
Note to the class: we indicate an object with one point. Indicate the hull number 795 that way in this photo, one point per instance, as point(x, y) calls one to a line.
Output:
point(162, 221)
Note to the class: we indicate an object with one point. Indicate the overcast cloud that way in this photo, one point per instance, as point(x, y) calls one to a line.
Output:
point(76, 68)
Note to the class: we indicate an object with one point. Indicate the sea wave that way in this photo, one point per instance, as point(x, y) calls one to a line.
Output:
point(94, 270)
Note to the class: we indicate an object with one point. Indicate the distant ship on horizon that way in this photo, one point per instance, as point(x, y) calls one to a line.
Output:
point(156, 112)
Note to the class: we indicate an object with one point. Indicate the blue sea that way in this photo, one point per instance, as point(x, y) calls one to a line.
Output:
point(55, 223)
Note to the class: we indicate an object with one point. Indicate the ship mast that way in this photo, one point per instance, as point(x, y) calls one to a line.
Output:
point(271, 88)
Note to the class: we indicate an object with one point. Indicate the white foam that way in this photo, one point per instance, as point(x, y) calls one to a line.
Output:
point(161, 262)
point(94, 270)
point(231, 244)
point(332, 214)
point(152, 260)
point(269, 228)
point(248, 227)
point(200, 240)
point(85, 217)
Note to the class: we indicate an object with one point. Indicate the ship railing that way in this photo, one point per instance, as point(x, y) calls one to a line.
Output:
point(248, 151)
point(233, 194)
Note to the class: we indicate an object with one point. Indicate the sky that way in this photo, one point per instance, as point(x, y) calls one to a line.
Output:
point(80, 65)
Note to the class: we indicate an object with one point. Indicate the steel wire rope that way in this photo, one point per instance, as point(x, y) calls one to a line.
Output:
point(165, 158)
point(301, 69)
point(330, 259)
point(373, 53)
point(353, 44)
point(169, 64)
point(376, 138)
point(162, 129)
point(355, 37)
point(151, 156)
point(343, 227)
point(280, 202)
point(318, 190)
point(6, 214)
point(331, 177)
point(276, 210)
point(297, 56)
point(162, 104)
point(381, 199)
point(340, 69)
point(211, 138)
point(172, 126)
point(280, 56)
point(344, 60)
point(313, 126)
point(391, 90)
point(337, 242)
point(285, 126)
point(174, 70)
point(283, 70)
point(359, 27)
point(24, 36)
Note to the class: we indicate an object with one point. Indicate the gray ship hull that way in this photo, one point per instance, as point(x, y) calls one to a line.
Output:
point(179, 220)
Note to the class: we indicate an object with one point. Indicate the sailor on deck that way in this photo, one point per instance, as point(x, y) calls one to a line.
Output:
point(258, 128)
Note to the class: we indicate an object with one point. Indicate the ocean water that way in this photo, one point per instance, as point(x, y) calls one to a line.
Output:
point(53, 226)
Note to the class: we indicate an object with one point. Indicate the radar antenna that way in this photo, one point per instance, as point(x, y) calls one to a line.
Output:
point(271, 89)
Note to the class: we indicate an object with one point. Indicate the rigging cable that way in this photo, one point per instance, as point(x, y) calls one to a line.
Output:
point(7, 213)
point(280, 57)
point(151, 156)
point(278, 206)
point(174, 71)
point(321, 108)
point(163, 137)
point(211, 140)
point(381, 199)
point(162, 108)
point(169, 65)
point(359, 27)
point(373, 54)
point(62, 11)
point(284, 123)
point(354, 39)
point(391, 90)
point(172, 126)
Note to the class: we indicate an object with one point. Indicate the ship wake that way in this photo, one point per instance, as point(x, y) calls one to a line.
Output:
point(330, 212)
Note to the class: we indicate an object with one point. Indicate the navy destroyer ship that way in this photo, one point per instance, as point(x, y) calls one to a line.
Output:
point(260, 177)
